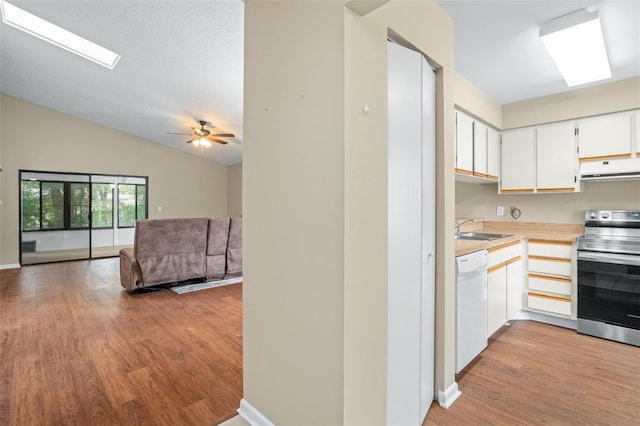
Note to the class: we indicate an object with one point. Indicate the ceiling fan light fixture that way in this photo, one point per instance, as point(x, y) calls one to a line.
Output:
point(205, 143)
point(576, 45)
point(45, 30)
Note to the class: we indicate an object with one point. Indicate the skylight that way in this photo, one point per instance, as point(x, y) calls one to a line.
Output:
point(44, 30)
point(576, 45)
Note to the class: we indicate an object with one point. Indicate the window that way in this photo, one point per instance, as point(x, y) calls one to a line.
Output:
point(132, 204)
point(60, 205)
point(52, 205)
point(30, 205)
point(79, 206)
point(141, 202)
point(101, 205)
point(43, 205)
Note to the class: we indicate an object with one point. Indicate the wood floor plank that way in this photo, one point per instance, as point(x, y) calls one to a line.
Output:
point(76, 349)
point(533, 373)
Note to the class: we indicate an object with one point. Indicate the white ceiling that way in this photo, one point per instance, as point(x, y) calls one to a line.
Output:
point(182, 61)
point(498, 49)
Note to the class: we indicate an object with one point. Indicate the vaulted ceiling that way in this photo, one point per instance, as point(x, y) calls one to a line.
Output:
point(182, 61)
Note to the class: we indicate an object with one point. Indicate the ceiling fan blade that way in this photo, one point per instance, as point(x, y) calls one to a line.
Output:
point(191, 140)
point(172, 133)
point(220, 141)
point(225, 135)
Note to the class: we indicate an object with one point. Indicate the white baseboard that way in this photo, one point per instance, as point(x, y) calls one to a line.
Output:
point(252, 416)
point(547, 319)
point(449, 396)
point(10, 266)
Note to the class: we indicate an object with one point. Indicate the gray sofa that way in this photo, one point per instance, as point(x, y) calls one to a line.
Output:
point(174, 250)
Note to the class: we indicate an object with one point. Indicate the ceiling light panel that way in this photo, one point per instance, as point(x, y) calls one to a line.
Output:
point(576, 45)
point(45, 30)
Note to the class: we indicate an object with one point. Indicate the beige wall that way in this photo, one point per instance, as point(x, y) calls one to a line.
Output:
point(471, 99)
point(183, 185)
point(293, 203)
point(315, 203)
point(600, 99)
point(481, 200)
point(234, 194)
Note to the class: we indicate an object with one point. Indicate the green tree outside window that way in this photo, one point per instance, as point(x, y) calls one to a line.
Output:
point(30, 205)
point(79, 206)
point(52, 205)
point(126, 205)
point(101, 205)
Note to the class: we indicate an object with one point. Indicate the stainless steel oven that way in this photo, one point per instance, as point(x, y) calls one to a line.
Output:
point(609, 276)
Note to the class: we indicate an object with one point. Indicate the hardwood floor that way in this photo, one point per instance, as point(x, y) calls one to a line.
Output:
point(535, 373)
point(76, 349)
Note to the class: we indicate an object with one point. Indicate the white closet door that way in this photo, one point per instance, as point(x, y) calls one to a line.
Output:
point(409, 255)
point(428, 237)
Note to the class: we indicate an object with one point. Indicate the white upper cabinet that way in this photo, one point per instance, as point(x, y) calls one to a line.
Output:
point(556, 160)
point(493, 153)
point(464, 143)
point(518, 161)
point(479, 149)
point(605, 137)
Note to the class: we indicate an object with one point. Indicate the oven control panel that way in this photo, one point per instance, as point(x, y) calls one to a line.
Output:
point(611, 216)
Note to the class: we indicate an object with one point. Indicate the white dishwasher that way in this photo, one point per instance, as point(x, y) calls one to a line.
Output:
point(471, 306)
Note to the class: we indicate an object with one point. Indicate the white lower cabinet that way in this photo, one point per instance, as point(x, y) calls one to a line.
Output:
point(514, 287)
point(550, 275)
point(504, 285)
point(549, 304)
point(496, 298)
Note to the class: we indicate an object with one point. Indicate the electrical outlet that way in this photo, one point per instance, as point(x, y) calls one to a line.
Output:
point(500, 211)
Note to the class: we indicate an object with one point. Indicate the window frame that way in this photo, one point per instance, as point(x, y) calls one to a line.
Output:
point(67, 200)
point(68, 206)
point(65, 187)
point(113, 190)
point(135, 204)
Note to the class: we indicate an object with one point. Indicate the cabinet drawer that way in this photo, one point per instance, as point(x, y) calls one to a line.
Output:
point(550, 284)
point(547, 265)
point(556, 305)
point(559, 249)
point(504, 252)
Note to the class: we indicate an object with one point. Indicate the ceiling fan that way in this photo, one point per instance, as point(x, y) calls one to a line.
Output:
point(204, 137)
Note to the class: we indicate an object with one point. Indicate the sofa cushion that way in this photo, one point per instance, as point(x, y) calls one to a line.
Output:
point(171, 250)
point(234, 247)
point(218, 236)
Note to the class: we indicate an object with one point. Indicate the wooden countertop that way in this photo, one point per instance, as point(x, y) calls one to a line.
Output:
point(517, 230)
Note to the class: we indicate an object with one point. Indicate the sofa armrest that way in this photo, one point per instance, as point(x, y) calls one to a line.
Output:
point(130, 275)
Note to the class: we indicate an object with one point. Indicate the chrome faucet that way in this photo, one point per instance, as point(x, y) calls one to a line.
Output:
point(459, 224)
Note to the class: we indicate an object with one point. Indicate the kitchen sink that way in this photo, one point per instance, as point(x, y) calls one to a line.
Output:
point(480, 236)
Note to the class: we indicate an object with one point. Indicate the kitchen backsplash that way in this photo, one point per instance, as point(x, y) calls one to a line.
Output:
point(480, 201)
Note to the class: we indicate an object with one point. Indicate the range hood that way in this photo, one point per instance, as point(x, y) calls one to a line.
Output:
point(626, 168)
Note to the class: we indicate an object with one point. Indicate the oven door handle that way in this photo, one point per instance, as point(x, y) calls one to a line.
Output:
point(621, 259)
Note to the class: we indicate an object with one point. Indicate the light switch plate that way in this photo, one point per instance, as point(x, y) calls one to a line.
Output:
point(500, 211)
